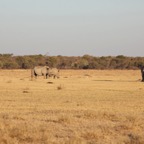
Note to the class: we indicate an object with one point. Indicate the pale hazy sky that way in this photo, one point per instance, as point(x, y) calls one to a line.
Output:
point(72, 27)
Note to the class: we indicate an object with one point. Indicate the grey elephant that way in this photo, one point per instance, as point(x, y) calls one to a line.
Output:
point(53, 72)
point(40, 71)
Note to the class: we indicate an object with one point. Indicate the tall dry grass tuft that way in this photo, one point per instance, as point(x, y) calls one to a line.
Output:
point(60, 87)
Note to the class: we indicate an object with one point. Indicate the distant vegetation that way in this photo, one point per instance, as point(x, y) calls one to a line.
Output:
point(9, 61)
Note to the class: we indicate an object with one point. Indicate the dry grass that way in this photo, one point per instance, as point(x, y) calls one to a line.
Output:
point(82, 107)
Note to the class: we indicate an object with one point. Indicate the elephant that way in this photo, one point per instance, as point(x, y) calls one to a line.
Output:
point(53, 72)
point(40, 71)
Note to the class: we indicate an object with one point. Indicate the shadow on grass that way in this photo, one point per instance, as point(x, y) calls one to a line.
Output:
point(118, 80)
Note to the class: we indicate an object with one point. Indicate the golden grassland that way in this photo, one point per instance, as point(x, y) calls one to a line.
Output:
point(82, 107)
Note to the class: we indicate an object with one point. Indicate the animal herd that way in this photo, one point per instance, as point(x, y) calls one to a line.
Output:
point(46, 71)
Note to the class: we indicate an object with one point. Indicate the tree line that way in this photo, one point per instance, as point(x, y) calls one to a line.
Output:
point(9, 61)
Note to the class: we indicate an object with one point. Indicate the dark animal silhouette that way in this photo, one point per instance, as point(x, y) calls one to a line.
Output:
point(142, 72)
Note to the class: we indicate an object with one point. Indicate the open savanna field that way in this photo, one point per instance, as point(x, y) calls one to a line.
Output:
point(82, 107)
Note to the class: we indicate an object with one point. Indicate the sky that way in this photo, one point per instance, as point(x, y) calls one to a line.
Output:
point(72, 27)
